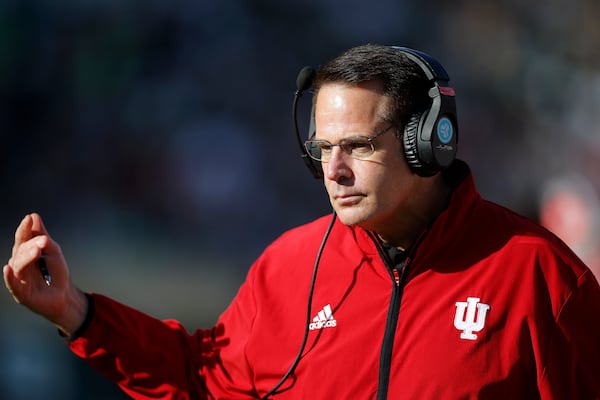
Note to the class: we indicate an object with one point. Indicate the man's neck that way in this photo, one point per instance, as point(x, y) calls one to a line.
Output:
point(431, 203)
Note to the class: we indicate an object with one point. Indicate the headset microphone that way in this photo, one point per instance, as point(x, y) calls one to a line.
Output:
point(304, 82)
point(304, 79)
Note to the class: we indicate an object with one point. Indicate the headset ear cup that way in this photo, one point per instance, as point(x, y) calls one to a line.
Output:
point(409, 140)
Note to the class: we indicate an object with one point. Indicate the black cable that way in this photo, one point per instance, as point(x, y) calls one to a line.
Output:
point(308, 312)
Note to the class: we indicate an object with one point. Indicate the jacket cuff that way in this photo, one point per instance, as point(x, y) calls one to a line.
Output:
point(89, 315)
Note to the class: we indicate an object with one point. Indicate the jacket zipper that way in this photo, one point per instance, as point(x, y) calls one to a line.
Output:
point(385, 358)
point(398, 275)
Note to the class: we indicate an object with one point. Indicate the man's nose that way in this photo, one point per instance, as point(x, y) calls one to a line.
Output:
point(338, 165)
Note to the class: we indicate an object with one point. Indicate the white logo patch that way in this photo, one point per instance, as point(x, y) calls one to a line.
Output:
point(473, 320)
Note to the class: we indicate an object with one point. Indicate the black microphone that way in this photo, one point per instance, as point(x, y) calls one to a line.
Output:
point(303, 82)
point(304, 79)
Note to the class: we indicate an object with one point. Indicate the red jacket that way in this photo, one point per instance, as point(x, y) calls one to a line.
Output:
point(488, 305)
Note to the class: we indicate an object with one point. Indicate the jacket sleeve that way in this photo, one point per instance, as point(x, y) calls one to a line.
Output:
point(153, 359)
point(572, 367)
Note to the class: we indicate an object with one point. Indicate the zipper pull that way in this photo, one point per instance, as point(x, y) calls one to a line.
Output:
point(396, 276)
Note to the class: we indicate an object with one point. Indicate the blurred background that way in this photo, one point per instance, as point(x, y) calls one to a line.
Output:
point(156, 139)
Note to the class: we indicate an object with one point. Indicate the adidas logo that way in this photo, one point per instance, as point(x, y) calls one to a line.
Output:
point(324, 319)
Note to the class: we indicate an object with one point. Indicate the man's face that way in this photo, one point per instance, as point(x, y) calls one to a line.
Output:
point(372, 193)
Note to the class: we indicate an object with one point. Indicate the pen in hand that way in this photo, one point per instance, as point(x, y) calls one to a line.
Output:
point(44, 270)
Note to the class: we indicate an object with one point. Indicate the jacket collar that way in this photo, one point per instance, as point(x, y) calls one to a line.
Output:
point(446, 231)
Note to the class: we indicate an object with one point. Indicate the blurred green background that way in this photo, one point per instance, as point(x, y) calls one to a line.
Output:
point(156, 139)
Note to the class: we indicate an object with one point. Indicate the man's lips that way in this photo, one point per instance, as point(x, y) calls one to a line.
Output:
point(347, 198)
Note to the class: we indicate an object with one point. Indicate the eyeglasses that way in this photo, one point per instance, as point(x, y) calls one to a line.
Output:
point(358, 147)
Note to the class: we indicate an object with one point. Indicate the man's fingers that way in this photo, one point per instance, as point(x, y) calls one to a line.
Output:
point(37, 226)
point(26, 253)
point(23, 232)
point(30, 227)
point(12, 283)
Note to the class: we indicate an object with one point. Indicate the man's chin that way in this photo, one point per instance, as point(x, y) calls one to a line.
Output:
point(350, 217)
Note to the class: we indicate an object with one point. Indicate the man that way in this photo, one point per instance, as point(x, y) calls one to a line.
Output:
point(416, 288)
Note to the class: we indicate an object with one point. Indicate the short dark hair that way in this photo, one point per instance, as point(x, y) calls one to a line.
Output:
point(403, 80)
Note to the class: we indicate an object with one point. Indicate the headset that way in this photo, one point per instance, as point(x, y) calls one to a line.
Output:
point(430, 137)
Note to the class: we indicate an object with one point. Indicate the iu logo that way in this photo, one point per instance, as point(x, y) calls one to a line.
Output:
point(470, 317)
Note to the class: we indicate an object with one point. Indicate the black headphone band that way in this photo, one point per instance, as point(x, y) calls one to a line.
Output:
point(430, 66)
